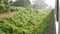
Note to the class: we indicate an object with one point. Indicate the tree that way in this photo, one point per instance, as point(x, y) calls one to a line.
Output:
point(4, 5)
point(22, 3)
point(11, 2)
point(26, 3)
point(6, 2)
point(19, 3)
point(3, 1)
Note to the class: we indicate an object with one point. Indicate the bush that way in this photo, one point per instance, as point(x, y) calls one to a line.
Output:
point(26, 21)
point(13, 8)
point(4, 8)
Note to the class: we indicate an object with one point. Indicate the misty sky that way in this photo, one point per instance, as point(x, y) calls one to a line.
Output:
point(49, 2)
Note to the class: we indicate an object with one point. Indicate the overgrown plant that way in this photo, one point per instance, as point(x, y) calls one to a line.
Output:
point(26, 21)
point(5, 6)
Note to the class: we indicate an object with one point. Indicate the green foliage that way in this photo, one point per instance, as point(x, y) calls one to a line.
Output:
point(5, 6)
point(23, 3)
point(13, 8)
point(6, 2)
point(11, 2)
point(25, 21)
point(42, 25)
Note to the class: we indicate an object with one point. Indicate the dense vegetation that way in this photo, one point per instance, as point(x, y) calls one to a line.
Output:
point(25, 21)
point(9, 5)
point(5, 6)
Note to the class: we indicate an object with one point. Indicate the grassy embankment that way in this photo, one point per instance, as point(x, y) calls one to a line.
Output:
point(25, 21)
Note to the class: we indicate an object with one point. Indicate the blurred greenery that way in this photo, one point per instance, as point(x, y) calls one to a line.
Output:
point(22, 3)
point(6, 5)
point(25, 21)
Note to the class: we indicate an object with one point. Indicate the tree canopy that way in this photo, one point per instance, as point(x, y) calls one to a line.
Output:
point(22, 3)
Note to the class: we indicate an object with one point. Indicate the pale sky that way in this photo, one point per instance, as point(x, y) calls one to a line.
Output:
point(49, 2)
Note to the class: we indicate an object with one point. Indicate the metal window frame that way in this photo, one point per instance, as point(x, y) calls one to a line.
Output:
point(57, 12)
point(57, 9)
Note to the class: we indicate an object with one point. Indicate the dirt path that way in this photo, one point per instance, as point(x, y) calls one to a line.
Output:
point(2, 15)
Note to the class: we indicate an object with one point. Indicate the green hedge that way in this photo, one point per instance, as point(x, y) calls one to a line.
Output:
point(6, 8)
point(25, 21)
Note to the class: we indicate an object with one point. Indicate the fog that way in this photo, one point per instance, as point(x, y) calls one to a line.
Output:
point(50, 3)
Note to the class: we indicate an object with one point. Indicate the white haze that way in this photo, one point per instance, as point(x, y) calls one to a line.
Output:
point(50, 3)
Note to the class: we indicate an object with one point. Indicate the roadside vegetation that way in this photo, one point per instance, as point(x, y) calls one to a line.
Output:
point(24, 20)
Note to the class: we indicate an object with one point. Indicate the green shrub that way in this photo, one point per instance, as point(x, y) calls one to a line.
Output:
point(1, 32)
point(26, 21)
point(4, 8)
point(13, 8)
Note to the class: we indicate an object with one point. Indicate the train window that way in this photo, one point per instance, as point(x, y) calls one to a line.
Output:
point(27, 16)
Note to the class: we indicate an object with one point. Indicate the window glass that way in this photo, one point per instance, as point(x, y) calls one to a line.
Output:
point(27, 16)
